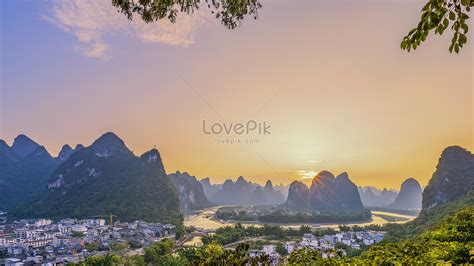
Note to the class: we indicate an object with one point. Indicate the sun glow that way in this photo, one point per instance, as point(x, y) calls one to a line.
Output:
point(307, 174)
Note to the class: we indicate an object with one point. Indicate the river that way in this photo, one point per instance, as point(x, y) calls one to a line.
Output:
point(204, 219)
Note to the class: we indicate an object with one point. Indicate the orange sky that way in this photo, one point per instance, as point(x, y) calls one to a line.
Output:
point(328, 76)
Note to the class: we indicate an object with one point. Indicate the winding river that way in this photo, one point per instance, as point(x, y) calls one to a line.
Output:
point(204, 219)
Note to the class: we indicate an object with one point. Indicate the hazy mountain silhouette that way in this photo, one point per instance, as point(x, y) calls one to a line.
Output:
point(326, 193)
point(191, 192)
point(242, 192)
point(409, 196)
point(210, 190)
point(373, 197)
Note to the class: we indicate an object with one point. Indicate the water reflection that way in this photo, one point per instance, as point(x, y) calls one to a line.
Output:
point(204, 219)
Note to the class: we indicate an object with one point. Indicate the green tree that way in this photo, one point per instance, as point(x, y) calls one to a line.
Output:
point(281, 249)
point(210, 253)
point(92, 246)
point(437, 16)
point(155, 253)
point(135, 260)
point(190, 253)
point(305, 256)
point(173, 260)
point(116, 246)
point(231, 13)
point(107, 260)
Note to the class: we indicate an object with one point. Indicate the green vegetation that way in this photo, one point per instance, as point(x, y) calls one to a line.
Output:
point(391, 218)
point(23, 179)
point(280, 216)
point(92, 246)
point(306, 256)
point(322, 217)
point(231, 13)
point(437, 15)
point(450, 241)
point(127, 188)
point(77, 234)
point(230, 234)
point(427, 219)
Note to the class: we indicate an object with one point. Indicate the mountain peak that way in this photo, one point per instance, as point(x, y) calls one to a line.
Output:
point(110, 144)
point(453, 150)
point(227, 185)
point(268, 184)
point(6, 151)
point(455, 155)
point(452, 178)
point(206, 181)
point(4, 146)
point(411, 182)
point(409, 196)
point(23, 145)
point(39, 154)
point(151, 156)
point(323, 177)
point(343, 176)
point(240, 180)
point(65, 152)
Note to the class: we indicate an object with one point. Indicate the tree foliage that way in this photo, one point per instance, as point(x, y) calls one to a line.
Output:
point(448, 242)
point(437, 16)
point(230, 12)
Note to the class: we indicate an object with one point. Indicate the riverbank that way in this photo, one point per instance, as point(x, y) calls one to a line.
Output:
point(205, 219)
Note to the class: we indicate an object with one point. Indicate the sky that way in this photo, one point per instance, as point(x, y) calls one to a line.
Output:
point(327, 77)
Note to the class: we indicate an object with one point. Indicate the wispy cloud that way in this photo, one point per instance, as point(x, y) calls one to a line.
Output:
point(307, 174)
point(92, 21)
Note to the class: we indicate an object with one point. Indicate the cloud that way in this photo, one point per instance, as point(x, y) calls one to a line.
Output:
point(92, 21)
point(307, 174)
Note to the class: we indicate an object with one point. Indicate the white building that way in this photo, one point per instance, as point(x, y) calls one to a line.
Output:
point(13, 262)
point(346, 241)
point(269, 249)
point(290, 246)
point(368, 241)
point(42, 222)
point(80, 228)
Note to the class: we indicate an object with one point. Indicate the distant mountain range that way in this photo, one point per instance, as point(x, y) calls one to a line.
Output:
point(24, 170)
point(374, 197)
point(106, 177)
point(191, 192)
point(326, 193)
point(242, 192)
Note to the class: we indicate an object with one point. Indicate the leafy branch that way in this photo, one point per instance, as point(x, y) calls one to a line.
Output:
point(437, 15)
point(230, 12)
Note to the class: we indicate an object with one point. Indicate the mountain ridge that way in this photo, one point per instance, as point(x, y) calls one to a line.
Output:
point(326, 193)
point(106, 177)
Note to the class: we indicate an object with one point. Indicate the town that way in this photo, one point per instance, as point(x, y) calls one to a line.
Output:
point(42, 241)
point(47, 242)
point(327, 245)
